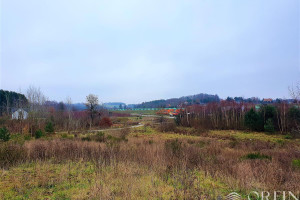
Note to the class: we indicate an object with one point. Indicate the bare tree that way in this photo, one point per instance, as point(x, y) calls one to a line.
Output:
point(295, 92)
point(36, 100)
point(70, 112)
point(92, 103)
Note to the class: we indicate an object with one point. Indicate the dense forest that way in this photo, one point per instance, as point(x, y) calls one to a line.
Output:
point(11, 100)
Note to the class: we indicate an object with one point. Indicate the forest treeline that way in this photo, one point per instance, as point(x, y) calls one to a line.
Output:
point(10, 101)
point(202, 111)
point(276, 117)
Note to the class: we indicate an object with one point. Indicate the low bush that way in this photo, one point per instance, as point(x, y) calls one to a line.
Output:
point(200, 144)
point(86, 138)
point(49, 128)
point(111, 138)
point(124, 132)
point(38, 134)
point(269, 126)
point(4, 134)
point(233, 143)
point(27, 137)
point(253, 120)
point(122, 120)
point(67, 136)
point(105, 122)
point(167, 127)
point(296, 163)
point(253, 156)
point(150, 141)
point(294, 117)
point(174, 147)
point(288, 137)
point(295, 133)
point(281, 142)
point(3, 120)
point(11, 154)
point(99, 137)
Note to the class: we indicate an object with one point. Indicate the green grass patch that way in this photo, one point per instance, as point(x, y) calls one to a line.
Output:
point(296, 163)
point(288, 137)
point(67, 136)
point(253, 156)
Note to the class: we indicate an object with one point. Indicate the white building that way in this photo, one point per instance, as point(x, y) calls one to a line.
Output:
point(19, 114)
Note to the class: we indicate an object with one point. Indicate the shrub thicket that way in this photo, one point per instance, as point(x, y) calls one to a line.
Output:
point(38, 134)
point(105, 122)
point(167, 127)
point(49, 127)
point(99, 137)
point(253, 156)
point(268, 112)
point(174, 147)
point(11, 154)
point(294, 119)
point(269, 126)
point(253, 120)
point(296, 163)
point(4, 134)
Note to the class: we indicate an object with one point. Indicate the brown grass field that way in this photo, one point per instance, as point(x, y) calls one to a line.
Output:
point(145, 163)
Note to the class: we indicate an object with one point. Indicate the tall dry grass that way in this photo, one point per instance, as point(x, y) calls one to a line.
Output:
point(222, 159)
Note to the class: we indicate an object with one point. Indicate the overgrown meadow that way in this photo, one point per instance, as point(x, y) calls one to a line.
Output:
point(155, 161)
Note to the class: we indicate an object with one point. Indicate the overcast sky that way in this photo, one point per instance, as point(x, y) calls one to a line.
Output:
point(134, 51)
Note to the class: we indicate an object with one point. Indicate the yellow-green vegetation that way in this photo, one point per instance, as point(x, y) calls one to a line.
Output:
point(191, 133)
point(86, 180)
point(242, 135)
point(151, 132)
point(296, 163)
point(42, 180)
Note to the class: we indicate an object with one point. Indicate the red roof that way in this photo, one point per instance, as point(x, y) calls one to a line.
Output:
point(267, 100)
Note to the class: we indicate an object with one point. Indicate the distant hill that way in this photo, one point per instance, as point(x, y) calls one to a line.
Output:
point(176, 102)
point(116, 105)
point(109, 105)
point(79, 106)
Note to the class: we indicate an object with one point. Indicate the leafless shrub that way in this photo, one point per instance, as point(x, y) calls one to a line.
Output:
point(11, 154)
point(124, 132)
point(167, 127)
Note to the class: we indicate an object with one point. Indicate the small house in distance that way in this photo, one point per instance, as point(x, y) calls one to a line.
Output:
point(19, 114)
point(267, 100)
